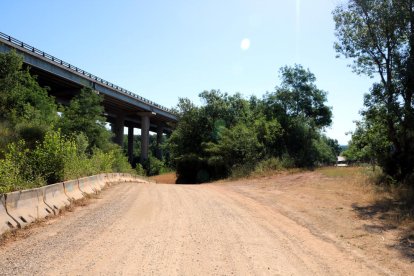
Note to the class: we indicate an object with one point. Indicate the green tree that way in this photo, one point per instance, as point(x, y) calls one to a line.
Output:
point(379, 37)
point(185, 144)
point(236, 146)
point(300, 108)
point(26, 110)
point(369, 142)
point(325, 153)
point(85, 115)
point(192, 130)
point(298, 96)
point(334, 145)
point(229, 134)
point(270, 134)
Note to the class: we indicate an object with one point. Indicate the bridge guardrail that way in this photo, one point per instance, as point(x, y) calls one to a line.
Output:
point(80, 71)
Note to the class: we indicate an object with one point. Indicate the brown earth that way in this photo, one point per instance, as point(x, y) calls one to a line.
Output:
point(308, 223)
point(166, 178)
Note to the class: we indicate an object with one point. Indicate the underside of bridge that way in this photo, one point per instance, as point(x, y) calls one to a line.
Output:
point(122, 107)
point(118, 113)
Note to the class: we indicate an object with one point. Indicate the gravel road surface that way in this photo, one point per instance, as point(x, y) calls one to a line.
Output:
point(156, 229)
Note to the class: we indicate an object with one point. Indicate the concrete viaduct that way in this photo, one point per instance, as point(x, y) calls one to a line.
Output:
point(122, 107)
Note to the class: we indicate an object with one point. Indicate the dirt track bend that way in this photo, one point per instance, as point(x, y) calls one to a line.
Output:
point(178, 230)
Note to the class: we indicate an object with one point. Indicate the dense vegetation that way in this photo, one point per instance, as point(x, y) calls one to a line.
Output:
point(43, 143)
point(231, 135)
point(378, 35)
point(153, 165)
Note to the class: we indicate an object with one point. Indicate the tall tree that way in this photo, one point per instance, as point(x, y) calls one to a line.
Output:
point(299, 97)
point(26, 110)
point(379, 36)
point(300, 107)
point(85, 115)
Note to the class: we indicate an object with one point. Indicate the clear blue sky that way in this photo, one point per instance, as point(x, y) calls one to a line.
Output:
point(163, 50)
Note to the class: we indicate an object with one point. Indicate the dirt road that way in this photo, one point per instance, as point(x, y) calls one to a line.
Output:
point(213, 229)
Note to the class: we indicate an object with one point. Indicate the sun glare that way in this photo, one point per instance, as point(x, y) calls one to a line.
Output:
point(245, 44)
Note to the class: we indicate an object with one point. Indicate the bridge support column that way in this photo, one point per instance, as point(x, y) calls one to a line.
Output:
point(145, 125)
point(130, 144)
point(119, 129)
point(160, 131)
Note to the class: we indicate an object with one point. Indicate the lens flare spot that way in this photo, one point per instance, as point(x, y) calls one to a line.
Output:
point(245, 44)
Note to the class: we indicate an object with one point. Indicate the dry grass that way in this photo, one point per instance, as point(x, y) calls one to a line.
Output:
point(343, 172)
point(390, 204)
point(369, 181)
point(268, 173)
point(166, 178)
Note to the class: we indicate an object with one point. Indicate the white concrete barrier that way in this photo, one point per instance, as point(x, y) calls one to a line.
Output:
point(110, 179)
point(94, 183)
point(72, 190)
point(129, 177)
point(107, 179)
point(54, 196)
point(27, 206)
point(101, 180)
point(6, 222)
point(17, 209)
point(85, 186)
point(118, 177)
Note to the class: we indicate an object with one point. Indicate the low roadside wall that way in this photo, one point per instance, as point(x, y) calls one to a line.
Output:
point(20, 208)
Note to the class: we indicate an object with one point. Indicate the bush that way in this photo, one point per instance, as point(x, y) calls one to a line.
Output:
point(101, 162)
point(120, 161)
point(140, 170)
point(271, 164)
point(48, 158)
point(17, 171)
point(262, 168)
point(243, 170)
point(56, 159)
point(154, 166)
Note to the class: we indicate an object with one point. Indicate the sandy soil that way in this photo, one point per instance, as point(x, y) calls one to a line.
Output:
point(300, 224)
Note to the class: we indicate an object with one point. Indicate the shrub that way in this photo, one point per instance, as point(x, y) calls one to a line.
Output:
point(243, 170)
point(49, 156)
point(271, 164)
point(101, 162)
point(120, 161)
point(56, 159)
point(16, 170)
point(140, 170)
point(154, 166)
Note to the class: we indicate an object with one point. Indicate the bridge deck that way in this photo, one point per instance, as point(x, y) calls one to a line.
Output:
point(65, 79)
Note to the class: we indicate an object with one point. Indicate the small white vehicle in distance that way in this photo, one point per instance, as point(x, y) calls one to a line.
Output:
point(341, 162)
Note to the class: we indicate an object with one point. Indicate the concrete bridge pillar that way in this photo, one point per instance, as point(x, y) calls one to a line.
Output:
point(145, 125)
point(130, 144)
point(160, 131)
point(118, 129)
